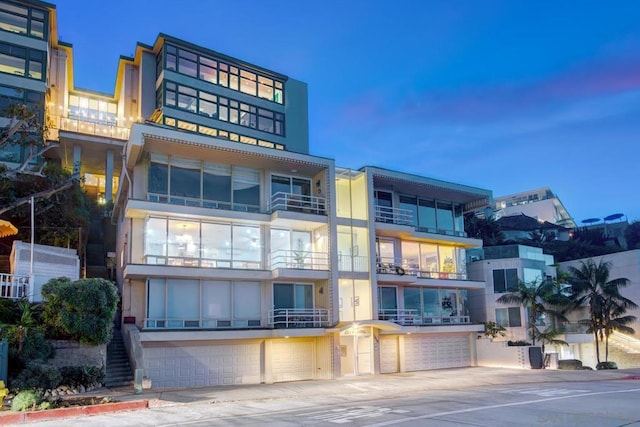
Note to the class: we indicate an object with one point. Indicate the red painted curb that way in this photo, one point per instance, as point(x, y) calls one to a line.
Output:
point(59, 413)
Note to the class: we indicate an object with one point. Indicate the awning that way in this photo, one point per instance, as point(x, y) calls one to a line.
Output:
point(7, 229)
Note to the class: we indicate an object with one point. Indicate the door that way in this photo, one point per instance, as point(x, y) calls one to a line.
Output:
point(387, 303)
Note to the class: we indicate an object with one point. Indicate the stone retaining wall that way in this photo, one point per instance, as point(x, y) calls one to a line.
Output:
point(71, 353)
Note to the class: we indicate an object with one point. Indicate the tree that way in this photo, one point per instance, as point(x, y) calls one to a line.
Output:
point(486, 229)
point(591, 287)
point(550, 336)
point(538, 297)
point(632, 235)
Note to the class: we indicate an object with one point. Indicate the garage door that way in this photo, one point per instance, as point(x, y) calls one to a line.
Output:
point(388, 354)
point(292, 360)
point(203, 365)
point(435, 352)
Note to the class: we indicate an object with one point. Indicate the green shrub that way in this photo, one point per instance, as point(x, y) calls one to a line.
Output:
point(519, 343)
point(606, 365)
point(25, 400)
point(570, 364)
point(37, 376)
point(81, 375)
point(34, 347)
point(82, 310)
point(9, 311)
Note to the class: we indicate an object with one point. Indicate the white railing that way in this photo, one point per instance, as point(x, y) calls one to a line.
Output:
point(281, 201)
point(14, 286)
point(411, 317)
point(89, 128)
point(202, 203)
point(298, 318)
point(393, 215)
point(299, 259)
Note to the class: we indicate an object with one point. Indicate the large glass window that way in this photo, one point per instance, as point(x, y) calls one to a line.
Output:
point(246, 188)
point(217, 71)
point(92, 110)
point(387, 298)
point(409, 203)
point(432, 304)
point(426, 214)
point(22, 61)
point(508, 317)
point(216, 245)
point(505, 280)
point(413, 300)
point(292, 296)
point(216, 183)
point(23, 19)
point(444, 215)
point(185, 178)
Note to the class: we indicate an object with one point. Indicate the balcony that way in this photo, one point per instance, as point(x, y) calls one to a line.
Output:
point(298, 318)
point(390, 266)
point(88, 127)
point(178, 261)
point(201, 203)
point(304, 260)
point(281, 201)
point(14, 286)
point(205, 323)
point(411, 317)
point(396, 216)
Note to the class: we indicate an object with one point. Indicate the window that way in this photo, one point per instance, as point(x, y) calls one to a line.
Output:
point(218, 72)
point(23, 19)
point(505, 280)
point(387, 298)
point(22, 61)
point(223, 109)
point(292, 296)
point(92, 110)
point(508, 317)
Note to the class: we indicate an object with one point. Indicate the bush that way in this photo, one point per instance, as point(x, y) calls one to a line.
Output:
point(34, 348)
point(570, 364)
point(519, 343)
point(606, 365)
point(25, 400)
point(82, 310)
point(81, 375)
point(9, 311)
point(37, 376)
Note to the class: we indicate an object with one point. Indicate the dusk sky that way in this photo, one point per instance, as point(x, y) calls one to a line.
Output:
point(504, 95)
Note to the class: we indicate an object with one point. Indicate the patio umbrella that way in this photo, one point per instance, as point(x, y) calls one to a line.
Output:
point(7, 229)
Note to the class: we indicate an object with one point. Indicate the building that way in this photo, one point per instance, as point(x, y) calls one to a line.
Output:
point(240, 257)
point(522, 227)
point(503, 268)
point(541, 204)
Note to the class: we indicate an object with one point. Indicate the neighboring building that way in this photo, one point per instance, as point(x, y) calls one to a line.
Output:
point(541, 204)
point(623, 349)
point(503, 268)
point(523, 227)
point(240, 257)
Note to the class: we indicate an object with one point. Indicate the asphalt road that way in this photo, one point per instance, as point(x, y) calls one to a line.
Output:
point(592, 403)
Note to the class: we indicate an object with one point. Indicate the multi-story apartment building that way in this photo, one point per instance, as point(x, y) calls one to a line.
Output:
point(503, 268)
point(240, 257)
point(541, 204)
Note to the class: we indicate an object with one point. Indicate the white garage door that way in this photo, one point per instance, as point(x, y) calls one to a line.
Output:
point(435, 352)
point(203, 365)
point(292, 360)
point(388, 354)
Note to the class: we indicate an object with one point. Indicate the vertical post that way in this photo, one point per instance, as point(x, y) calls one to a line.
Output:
point(108, 182)
point(33, 233)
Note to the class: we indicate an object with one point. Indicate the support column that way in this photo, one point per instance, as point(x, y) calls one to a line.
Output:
point(77, 152)
point(108, 182)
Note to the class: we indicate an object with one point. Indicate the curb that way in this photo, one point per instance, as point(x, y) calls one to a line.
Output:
point(60, 413)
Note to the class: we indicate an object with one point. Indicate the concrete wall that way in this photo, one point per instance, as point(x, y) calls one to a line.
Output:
point(498, 354)
point(296, 116)
point(71, 353)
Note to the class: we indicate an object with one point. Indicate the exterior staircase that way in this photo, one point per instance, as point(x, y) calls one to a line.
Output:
point(118, 372)
point(624, 342)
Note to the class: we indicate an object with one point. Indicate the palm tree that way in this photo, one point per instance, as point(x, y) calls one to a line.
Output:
point(590, 286)
point(538, 297)
point(550, 336)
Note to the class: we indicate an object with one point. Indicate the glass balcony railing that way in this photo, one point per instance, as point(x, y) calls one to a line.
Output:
point(411, 317)
point(87, 127)
point(397, 267)
point(202, 203)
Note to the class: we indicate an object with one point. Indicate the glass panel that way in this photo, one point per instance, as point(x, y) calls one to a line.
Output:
point(459, 218)
point(447, 259)
point(280, 184)
point(449, 302)
point(158, 176)
point(512, 279)
point(303, 296)
point(426, 214)
point(183, 299)
point(301, 186)
point(246, 187)
point(216, 301)
point(387, 297)
point(12, 23)
point(463, 302)
point(185, 178)
point(514, 317)
point(156, 237)
point(246, 247)
point(280, 240)
point(216, 245)
point(428, 257)
point(445, 216)
point(431, 300)
point(216, 183)
point(156, 298)
point(532, 276)
point(412, 300)
point(283, 296)
point(246, 300)
point(499, 283)
point(410, 203)
point(386, 251)
point(410, 256)
point(187, 67)
point(502, 317)
point(184, 241)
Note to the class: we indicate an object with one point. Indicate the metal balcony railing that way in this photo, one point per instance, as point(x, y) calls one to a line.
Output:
point(298, 318)
point(354, 263)
point(411, 317)
point(204, 323)
point(305, 260)
point(393, 215)
point(14, 286)
point(88, 127)
point(178, 261)
point(393, 266)
point(281, 201)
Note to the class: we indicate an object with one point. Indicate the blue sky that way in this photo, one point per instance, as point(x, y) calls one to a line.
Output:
point(505, 95)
